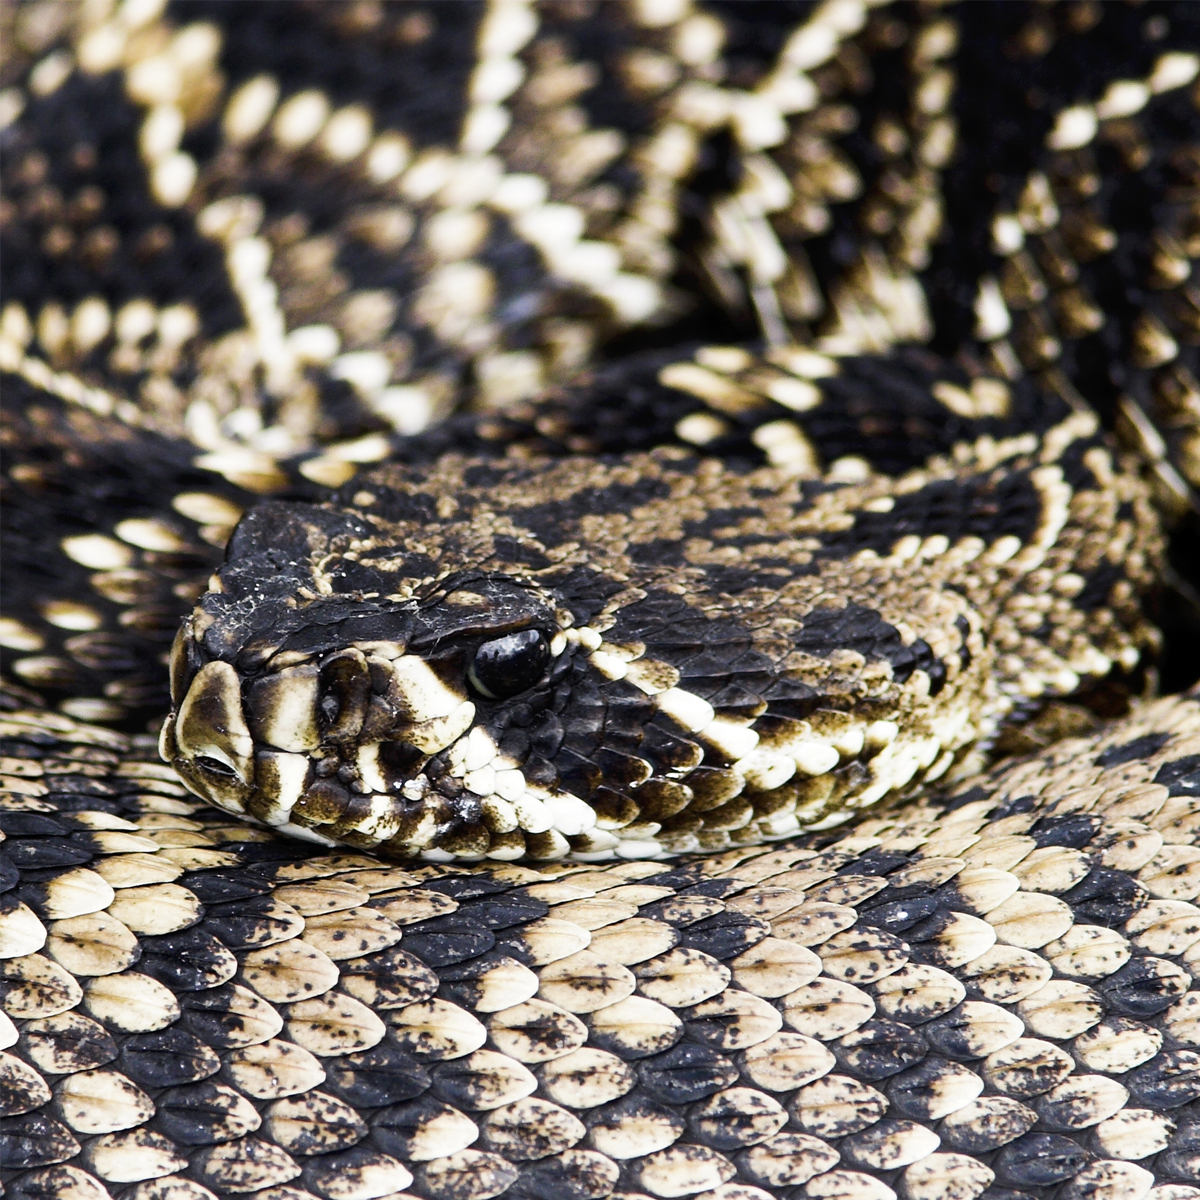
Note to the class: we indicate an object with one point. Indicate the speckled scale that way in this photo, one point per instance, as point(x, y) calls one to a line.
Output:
point(1040, 1160)
point(987, 1124)
point(388, 979)
point(166, 1059)
point(1170, 1080)
point(36, 1140)
point(878, 1049)
point(837, 1105)
point(229, 1016)
point(933, 1088)
point(447, 941)
point(687, 1072)
point(455, 1087)
point(67, 1042)
point(379, 1076)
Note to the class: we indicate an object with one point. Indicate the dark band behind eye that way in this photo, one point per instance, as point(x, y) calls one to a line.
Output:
point(505, 666)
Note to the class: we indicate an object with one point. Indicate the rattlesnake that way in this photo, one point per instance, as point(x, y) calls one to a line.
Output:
point(604, 449)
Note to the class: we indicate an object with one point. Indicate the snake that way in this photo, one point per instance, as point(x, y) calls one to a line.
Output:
point(600, 600)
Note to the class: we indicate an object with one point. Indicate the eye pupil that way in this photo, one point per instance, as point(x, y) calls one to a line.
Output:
point(510, 664)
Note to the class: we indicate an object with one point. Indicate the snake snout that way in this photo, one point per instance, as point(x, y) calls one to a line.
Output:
point(333, 745)
point(379, 723)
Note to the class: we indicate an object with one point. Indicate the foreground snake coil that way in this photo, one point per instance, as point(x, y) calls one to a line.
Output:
point(989, 995)
point(669, 504)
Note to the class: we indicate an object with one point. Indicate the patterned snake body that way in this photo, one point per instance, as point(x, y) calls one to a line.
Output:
point(585, 436)
point(985, 995)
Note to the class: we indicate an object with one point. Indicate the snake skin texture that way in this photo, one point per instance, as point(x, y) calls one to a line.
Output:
point(985, 994)
point(687, 504)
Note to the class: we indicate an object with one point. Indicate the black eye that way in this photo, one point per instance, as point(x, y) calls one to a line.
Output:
point(214, 766)
point(510, 664)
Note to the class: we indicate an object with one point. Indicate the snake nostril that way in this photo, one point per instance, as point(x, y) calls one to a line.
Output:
point(345, 683)
point(213, 766)
point(210, 729)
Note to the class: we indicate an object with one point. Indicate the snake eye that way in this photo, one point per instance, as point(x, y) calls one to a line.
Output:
point(508, 665)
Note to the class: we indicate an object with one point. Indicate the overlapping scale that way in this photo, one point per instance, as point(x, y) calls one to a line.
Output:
point(923, 1005)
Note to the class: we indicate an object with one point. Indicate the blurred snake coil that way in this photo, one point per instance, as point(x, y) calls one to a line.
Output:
point(601, 600)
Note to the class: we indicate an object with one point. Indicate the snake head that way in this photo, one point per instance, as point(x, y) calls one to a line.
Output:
point(358, 717)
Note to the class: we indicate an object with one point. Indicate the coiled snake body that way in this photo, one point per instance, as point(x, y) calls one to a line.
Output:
point(672, 506)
